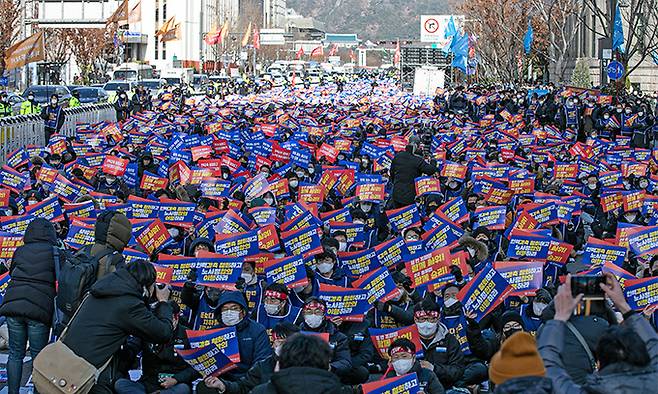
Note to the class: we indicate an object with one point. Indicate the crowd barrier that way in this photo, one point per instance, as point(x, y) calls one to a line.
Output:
point(21, 130)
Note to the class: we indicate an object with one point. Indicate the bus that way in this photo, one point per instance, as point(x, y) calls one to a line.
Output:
point(132, 72)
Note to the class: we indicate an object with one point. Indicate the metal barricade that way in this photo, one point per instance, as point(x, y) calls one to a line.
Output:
point(22, 130)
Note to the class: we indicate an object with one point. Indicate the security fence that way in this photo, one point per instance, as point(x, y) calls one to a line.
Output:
point(22, 130)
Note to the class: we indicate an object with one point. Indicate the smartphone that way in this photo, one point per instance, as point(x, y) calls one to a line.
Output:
point(588, 285)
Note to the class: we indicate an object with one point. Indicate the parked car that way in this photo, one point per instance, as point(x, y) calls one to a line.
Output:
point(112, 87)
point(42, 93)
point(89, 95)
point(154, 85)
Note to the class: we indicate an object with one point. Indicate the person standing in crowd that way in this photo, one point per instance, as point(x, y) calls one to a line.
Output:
point(53, 116)
point(28, 302)
point(6, 109)
point(627, 354)
point(406, 167)
point(118, 307)
point(30, 106)
point(123, 106)
point(112, 232)
point(74, 101)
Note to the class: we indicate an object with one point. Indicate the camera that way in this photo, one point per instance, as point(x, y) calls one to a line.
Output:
point(588, 285)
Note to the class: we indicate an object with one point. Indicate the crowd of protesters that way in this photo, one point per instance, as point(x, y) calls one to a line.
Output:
point(585, 160)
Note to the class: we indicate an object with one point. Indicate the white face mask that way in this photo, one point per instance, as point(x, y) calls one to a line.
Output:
point(538, 308)
point(269, 201)
point(471, 251)
point(403, 366)
point(366, 207)
point(248, 278)
point(173, 232)
point(427, 329)
point(277, 350)
point(53, 102)
point(230, 318)
point(313, 321)
point(449, 302)
point(342, 246)
point(591, 186)
point(271, 309)
point(294, 183)
point(110, 179)
point(325, 268)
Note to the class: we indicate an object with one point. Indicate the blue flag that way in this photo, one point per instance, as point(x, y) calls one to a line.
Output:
point(618, 32)
point(449, 34)
point(654, 56)
point(527, 40)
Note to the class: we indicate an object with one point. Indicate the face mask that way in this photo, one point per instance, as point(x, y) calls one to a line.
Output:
point(403, 366)
point(31, 98)
point(313, 321)
point(269, 201)
point(298, 289)
point(230, 318)
point(627, 112)
point(427, 329)
point(538, 308)
point(325, 268)
point(450, 302)
point(300, 174)
point(109, 179)
point(452, 185)
point(591, 186)
point(247, 277)
point(510, 332)
point(224, 176)
point(366, 207)
point(293, 183)
point(606, 116)
point(358, 221)
point(311, 170)
point(644, 184)
point(342, 246)
point(271, 309)
point(53, 102)
point(640, 114)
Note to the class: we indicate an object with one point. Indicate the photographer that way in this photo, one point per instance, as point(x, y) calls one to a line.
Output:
point(116, 308)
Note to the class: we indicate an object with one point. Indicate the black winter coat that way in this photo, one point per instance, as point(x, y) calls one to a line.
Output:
point(163, 359)
point(302, 380)
point(445, 354)
point(405, 168)
point(31, 290)
point(114, 311)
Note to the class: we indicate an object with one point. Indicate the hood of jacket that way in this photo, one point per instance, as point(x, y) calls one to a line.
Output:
point(526, 385)
point(40, 230)
point(116, 284)
point(113, 229)
point(481, 250)
point(296, 380)
point(233, 296)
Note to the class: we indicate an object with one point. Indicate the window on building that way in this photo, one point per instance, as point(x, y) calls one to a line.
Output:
point(594, 43)
point(155, 47)
point(157, 11)
point(164, 51)
point(164, 10)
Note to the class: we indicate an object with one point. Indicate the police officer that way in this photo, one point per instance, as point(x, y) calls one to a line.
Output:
point(5, 106)
point(74, 101)
point(53, 116)
point(30, 106)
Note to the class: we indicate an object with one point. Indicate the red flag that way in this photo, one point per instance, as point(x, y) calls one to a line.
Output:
point(333, 50)
point(318, 51)
point(396, 57)
point(300, 53)
point(256, 39)
point(352, 57)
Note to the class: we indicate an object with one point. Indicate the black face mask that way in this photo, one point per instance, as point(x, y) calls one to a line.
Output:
point(510, 332)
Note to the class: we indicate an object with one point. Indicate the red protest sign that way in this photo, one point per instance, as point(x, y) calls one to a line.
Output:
point(113, 165)
point(152, 182)
point(152, 236)
point(429, 267)
point(201, 152)
point(454, 170)
point(327, 151)
point(370, 192)
point(426, 185)
point(311, 193)
point(163, 274)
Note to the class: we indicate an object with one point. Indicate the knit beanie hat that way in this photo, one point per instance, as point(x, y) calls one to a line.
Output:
point(517, 357)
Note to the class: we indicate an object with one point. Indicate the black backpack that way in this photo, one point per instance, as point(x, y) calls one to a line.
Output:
point(77, 273)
